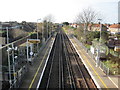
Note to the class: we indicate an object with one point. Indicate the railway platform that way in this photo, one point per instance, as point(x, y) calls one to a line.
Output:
point(102, 80)
point(31, 79)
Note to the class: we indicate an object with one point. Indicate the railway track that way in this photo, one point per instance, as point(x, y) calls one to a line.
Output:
point(64, 67)
point(53, 73)
point(82, 77)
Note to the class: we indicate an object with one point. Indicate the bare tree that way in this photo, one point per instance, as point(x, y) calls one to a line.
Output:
point(86, 17)
point(49, 18)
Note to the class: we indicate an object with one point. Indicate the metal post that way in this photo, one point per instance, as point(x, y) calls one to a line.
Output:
point(43, 38)
point(108, 71)
point(13, 65)
point(27, 51)
point(51, 28)
point(47, 30)
point(42, 35)
point(99, 47)
point(37, 28)
point(31, 51)
point(9, 67)
point(97, 59)
point(7, 35)
point(37, 35)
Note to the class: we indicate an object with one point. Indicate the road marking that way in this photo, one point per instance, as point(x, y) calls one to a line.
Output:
point(37, 70)
point(94, 70)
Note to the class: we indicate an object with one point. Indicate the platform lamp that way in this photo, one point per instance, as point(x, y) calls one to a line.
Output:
point(37, 33)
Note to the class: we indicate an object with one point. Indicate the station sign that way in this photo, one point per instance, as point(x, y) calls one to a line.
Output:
point(31, 53)
point(34, 41)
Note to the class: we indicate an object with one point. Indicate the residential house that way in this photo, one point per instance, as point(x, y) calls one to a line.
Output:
point(114, 28)
point(96, 27)
point(74, 25)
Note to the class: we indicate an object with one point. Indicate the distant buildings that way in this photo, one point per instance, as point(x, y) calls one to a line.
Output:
point(113, 29)
point(96, 27)
point(74, 25)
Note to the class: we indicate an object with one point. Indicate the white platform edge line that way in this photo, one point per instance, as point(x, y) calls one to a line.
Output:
point(113, 82)
point(86, 67)
point(45, 65)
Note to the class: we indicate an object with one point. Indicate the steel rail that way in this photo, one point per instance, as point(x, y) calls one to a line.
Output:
point(79, 62)
point(59, 63)
point(48, 81)
point(74, 58)
point(71, 76)
point(62, 67)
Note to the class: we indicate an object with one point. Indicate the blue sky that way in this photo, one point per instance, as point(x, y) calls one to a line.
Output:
point(62, 10)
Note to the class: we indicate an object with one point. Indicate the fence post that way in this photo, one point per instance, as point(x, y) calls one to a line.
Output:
point(108, 71)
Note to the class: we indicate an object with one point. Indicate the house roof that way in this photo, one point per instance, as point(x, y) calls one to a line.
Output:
point(115, 26)
point(96, 25)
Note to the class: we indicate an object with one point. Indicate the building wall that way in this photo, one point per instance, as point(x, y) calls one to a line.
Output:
point(97, 29)
point(113, 30)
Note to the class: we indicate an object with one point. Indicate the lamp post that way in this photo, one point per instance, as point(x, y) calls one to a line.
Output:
point(13, 58)
point(47, 30)
point(98, 50)
point(37, 27)
point(37, 33)
point(10, 79)
point(42, 30)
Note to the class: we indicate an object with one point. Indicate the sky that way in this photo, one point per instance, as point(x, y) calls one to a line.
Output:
point(62, 10)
